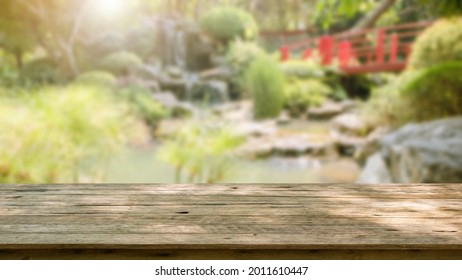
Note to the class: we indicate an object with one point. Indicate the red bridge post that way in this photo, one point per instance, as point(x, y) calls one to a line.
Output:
point(285, 53)
point(394, 48)
point(326, 49)
point(307, 54)
point(380, 46)
point(344, 53)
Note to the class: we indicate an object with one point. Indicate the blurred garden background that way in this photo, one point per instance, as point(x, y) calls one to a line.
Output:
point(230, 91)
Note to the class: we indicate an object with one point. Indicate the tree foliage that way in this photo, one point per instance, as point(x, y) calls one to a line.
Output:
point(328, 10)
point(229, 23)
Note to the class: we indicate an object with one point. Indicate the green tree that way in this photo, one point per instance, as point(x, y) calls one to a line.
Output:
point(377, 8)
point(15, 37)
point(54, 25)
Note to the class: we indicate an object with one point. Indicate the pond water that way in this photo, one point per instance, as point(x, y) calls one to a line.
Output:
point(140, 165)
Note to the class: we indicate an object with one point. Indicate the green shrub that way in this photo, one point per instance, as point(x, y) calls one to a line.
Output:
point(386, 106)
point(302, 94)
point(264, 81)
point(301, 69)
point(440, 43)
point(45, 135)
point(435, 92)
point(240, 56)
point(119, 63)
point(143, 105)
point(200, 151)
point(41, 71)
point(99, 78)
point(431, 88)
point(228, 23)
point(8, 71)
point(296, 70)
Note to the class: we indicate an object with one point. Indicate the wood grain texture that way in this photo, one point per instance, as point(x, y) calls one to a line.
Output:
point(322, 221)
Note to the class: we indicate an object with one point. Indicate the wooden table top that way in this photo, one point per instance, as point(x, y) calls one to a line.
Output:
point(235, 217)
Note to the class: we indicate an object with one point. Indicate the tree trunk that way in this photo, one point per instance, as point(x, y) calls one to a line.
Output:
point(18, 58)
point(371, 18)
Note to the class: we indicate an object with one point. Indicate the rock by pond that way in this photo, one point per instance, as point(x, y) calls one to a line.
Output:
point(327, 111)
point(420, 153)
point(350, 124)
point(212, 92)
point(178, 108)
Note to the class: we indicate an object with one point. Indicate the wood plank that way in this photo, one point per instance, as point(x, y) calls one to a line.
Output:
point(155, 200)
point(269, 254)
point(288, 187)
point(159, 228)
point(256, 210)
point(226, 241)
point(135, 220)
point(224, 218)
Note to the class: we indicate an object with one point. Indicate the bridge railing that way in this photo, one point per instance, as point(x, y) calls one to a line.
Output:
point(370, 50)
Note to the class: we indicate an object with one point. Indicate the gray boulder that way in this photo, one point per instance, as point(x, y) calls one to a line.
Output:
point(350, 124)
point(178, 108)
point(424, 153)
point(375, 171)
point(214, 92)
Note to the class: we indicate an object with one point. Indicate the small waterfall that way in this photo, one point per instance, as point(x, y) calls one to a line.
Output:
point(172, 42)
point(191, 80)
point(182, 54)
point(179, 50)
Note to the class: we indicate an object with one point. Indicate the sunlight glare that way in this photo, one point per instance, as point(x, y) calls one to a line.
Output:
point(110, 7)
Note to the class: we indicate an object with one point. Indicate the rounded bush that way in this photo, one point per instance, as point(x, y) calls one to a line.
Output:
point(435, 92)
point(239, 57)
point(119, 63)
point(41, 71)
point(440, 43)
point(227, 23)
point(264, 81)
point(388, 104)
point(100, 78)
point(303, 94)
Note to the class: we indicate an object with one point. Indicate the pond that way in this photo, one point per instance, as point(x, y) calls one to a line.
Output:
point(141, 165)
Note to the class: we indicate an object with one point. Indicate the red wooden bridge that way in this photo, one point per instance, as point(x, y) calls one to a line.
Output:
point(366, 51)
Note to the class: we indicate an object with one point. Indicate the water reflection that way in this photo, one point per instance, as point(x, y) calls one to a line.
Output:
point(141, 165)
